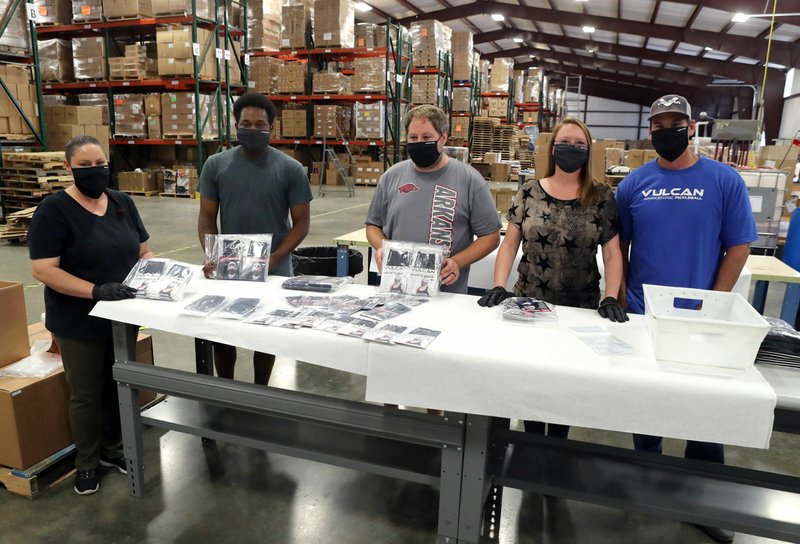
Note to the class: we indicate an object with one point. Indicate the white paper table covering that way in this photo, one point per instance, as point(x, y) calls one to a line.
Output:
point(484, 365)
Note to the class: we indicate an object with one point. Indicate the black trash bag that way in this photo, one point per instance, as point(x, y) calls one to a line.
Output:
point(321, 261)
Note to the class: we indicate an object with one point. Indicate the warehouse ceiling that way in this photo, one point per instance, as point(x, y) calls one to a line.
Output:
point(639, 49)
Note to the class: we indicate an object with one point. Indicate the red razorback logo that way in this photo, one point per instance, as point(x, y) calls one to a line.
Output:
point(407, 188)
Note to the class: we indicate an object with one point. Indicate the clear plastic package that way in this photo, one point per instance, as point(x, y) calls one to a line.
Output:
point(369, 120)
point(205, 305)
point(370, 75)
point(159, 279)
point(331, 83)
point(418, 338)
point(410, 268)
point(242, 257)
point(316, 283)
point(88, 57)
point(385, 334)
point(527, 309)
point(502, 71)
point(601, 341)
point(238, 308)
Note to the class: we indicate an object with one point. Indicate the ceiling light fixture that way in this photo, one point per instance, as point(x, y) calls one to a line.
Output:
point(532, 56)
point(362, 6)
point(588, 29)
point(707, 48)
point(498, 17)
point(592, 50)
point(518, 40)
point(744, 17)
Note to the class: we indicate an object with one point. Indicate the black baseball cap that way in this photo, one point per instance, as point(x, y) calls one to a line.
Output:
point(671, 103)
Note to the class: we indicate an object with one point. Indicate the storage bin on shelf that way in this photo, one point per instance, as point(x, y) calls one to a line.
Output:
point(725, 332)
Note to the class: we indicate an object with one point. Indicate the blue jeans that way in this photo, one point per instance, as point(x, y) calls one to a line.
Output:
point(701, 451)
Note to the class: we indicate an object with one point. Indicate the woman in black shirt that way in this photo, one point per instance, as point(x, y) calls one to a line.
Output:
point(83, 241)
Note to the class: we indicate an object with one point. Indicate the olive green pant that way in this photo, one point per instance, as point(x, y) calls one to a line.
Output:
point(93, 401)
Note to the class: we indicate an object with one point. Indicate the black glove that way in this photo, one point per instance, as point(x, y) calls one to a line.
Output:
point(610, 308)
point(112, 291)
point(494, 296)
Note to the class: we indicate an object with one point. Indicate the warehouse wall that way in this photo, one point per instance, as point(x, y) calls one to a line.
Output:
point(790, 122)
point(613, 119)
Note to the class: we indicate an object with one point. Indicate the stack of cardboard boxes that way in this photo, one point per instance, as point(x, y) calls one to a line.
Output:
point(424, 89)
point(365, 171)
point(127, 9)
point(175, 57)
point(17, 79)
point(462, 96)
point(89, 58)
point(782, 157)
point(204, 8)
point(370, 75)
point(99, 100)
point(139, 62)
point(179, 114)
point(462, 56)
point(369, 120)
point(498, 107)
point(294, 123)
point(54, 12)
point(292, 78)
point(65, 122)
point(429, 39)
point(297, 18)
point(263, 75)
point(370, 35)
point(331, 122)
point(86, 11)
point(138, 182)
point(178, 180)
point(334, 23)
point(331, 83)
point(129, 116)
point(55, 60)
point(264, 25)
point(152, 110)
point(502, 70)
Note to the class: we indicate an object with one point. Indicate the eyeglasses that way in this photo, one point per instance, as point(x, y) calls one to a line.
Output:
point(579, 143)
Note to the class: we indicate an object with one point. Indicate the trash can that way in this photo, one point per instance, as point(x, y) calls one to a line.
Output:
point(321, 261)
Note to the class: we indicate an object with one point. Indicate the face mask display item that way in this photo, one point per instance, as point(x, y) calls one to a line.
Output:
point(252, 139)
point(670, 143)
point(91, 181)
point(570, 157)
point(424, 154)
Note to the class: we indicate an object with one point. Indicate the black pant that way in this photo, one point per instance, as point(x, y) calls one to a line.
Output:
point(93, 400)
point(703, 451)
point(553, 429)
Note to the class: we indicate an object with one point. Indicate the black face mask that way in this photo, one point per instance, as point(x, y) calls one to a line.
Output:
point(423, 154)
point(91, 181)
point(670, 143)
point(570, 157)
point(253, 139)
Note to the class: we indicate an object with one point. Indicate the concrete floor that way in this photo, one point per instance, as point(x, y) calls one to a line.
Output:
point(232, 494)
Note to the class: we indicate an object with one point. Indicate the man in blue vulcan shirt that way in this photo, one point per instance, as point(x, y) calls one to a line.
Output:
point(688, 223)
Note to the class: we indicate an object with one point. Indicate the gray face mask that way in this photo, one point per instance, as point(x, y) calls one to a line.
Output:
point(253, 139)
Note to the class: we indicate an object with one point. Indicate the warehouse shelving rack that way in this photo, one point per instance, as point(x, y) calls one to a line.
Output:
point(30, 59)
point(396, 95)
point(222, 88)
point(475, 85)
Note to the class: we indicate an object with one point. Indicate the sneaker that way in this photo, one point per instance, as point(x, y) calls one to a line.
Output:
point(86, 482)
point(119, 464)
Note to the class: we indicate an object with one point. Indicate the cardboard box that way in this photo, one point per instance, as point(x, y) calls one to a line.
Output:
point(334, 23)
point(263, 75)
point(778, 154)
point(13, 324)
point(88, 56)
point(294, 123)
point(296, 26)
point(137, 181)
point(87, 10)
point(182, 7)
point(119, 9)
point(55, 60)
point(152, 104)
point(542, 158)
point(292, 78)
point(55, 12)
point(634, 158)
point(501, 171)
point(154, 131)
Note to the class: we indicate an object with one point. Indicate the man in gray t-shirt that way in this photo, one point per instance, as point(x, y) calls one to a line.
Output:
point(433, 199)
point(254, 189)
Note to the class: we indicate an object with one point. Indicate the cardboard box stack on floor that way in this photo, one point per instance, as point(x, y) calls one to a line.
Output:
point(89, 58)
point(365, 171)
point(66, 122)
point(55, 60)
point(175, 52)
point(34, 412)
point(139, 182)
point(264, 25)
point(18, 80)
point(334, 23)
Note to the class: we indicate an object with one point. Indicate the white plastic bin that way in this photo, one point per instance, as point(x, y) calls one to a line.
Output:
point(725, 332)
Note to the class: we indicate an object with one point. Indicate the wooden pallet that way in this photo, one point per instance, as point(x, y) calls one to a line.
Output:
point(178, 195)
point(14, 50)
point(16, 137)
point(141, 193)
point(82, 20)
point(42, 476)
point(44, 160)
point(127, 17)
point(90, 79)
point(178, 135)
point(22, 172)
point(130, 136)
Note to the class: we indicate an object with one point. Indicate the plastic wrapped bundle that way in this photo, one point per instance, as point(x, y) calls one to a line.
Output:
point(484, 72)
point(370, 75)
point(204, 8)
point(332, 121)
point(369, 120)
point(96, 99)
point(264, 25)
point(263, 75)
point(88, 55)
point(84, 11)
point(16, 37)
point(334, 23)
point(297, 20)
point(130, 120)
point(50, 100)
point(428, 40)
point(424, 89)
point(55, 60)
point(370, 35)
point(331, 83)
point(519, 87)
point(461, 98)
point(462, 56)
point(533, 85)
point(179, 114)
point(53, 12)
point(502, 70)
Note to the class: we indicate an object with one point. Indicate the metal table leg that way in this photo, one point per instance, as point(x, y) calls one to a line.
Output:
point(791, 301)
point(475, 484)
point(760, 295)
point(204, 356)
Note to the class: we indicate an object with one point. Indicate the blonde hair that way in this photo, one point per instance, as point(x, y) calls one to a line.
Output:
point(434, 114)
point(587, 195)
